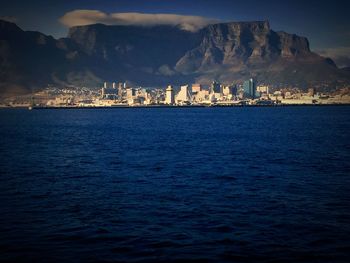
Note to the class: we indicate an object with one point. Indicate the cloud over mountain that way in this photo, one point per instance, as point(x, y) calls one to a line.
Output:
point(11, 19)
point(340, 55)
point(87, 17)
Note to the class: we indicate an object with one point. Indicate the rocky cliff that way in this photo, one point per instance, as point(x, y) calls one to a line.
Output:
point(151, 56)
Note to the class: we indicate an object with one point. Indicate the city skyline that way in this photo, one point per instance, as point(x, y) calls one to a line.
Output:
point(174, 131)
point(122, 94)
point(325, 24)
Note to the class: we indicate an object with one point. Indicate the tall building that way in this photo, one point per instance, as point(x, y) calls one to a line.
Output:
point(120, 90)
point(170, 95)
point(105, 85)
point(184, 94)
point(113, 85)
point(249, 89)
point(215, 87)
point(130, 93)
point(229, 90)
point(108, 93)
point(234, 89)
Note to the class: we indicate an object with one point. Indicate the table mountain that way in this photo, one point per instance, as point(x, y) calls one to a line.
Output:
point(158, 55)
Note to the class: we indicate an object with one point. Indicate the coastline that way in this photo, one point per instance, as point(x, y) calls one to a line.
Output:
point(173, 106)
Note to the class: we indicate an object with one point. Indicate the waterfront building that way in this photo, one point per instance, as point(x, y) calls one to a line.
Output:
point(184, 95)
point(196, 88)
point(249, 89)
point(229, 90)
point(226, 90)
point(288, 95)
point(130, 93)
point(212, 97)
point(136, 101)
point(170, 95)
point(217, 96)
point(215, 87)
point(200, 96)
point(311, 91)
point(108, 93)
point(148, 97)
point(234, 90)
point(120, 90)
point(263, 89)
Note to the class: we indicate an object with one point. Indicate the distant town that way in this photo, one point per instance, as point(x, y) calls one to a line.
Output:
point(120, 94)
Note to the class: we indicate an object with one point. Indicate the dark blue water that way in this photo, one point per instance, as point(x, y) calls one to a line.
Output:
point(169, 185)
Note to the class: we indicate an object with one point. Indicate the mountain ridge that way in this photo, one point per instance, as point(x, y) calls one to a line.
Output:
point(158, 55)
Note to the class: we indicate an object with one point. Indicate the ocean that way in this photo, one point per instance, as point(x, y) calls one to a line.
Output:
point(250, 184)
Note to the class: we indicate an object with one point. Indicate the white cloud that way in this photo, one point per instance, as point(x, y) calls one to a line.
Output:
point(9, 19)
point(87, 17)
point(345, 51)
point(340, 55)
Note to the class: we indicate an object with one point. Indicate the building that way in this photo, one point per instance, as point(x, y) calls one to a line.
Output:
point(229, 90)
point(263, 89)
point(200, 96)
point(249, 89)
point(183, 95)
point(311, 92)
point(170, 95)
point(215, 87)
point(226, 90)
point(234, 90)
point(130, 93)
point(120, 90)
point(196, 88)
point(108, 93)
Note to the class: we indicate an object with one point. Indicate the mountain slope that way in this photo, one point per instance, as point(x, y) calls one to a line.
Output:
point(235, 51)
point(158, 55)
point(29, 61)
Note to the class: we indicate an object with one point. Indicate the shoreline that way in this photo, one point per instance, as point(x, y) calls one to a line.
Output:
point(173, 106)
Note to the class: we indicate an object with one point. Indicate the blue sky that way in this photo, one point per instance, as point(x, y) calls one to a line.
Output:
point(325, 23)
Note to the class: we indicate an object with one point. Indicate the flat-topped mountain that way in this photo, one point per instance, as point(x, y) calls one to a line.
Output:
point(158, 55)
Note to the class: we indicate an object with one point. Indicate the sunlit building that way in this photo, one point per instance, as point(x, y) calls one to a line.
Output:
point(311, 91)
point(120, 90)
point(184, 95)
point(229, 90)
point(263, 89)
point(200, 96)
point(170, 95)
point(196, 88)
point(130, 93)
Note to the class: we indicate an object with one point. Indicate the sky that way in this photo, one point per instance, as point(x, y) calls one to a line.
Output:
point(325, 23)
